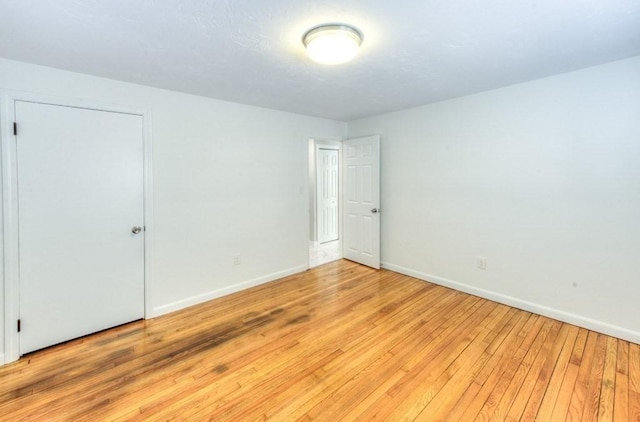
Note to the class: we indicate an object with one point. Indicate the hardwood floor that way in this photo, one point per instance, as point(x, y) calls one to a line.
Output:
point(339, 342)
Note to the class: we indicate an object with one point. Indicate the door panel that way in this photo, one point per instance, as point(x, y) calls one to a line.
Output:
point(327, 168)
point(361, 163)
point(80, 192)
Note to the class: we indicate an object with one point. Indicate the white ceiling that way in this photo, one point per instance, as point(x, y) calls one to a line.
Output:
point(250, 51)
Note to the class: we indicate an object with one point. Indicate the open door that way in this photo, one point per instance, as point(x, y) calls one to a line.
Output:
point(361, 170)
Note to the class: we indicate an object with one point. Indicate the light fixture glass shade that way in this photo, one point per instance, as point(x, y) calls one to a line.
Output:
point(332, 44)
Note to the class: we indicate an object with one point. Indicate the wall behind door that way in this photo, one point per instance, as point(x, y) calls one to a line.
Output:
point(215, 194)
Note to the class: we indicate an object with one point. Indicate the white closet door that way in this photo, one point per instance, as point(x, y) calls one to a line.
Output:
point(361, 233)
point(80, 199)
point(327, 177)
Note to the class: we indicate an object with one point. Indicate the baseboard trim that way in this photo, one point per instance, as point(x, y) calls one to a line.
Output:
point(2, 361)
point(579, 320)
point(214, 294)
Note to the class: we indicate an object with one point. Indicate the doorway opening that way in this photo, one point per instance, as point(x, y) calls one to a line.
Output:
point(325, 208)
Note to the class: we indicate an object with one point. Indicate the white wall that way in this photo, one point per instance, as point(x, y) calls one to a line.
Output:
point(541, 178)
point(228, 179)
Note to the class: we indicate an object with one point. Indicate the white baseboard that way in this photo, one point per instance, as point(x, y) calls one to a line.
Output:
point(2, 362)
point(579, 320)
point(195, 300)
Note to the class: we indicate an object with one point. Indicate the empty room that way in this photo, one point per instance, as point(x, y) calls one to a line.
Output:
point(320, 210)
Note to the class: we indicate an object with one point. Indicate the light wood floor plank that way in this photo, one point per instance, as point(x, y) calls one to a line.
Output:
point(527, 387)
point(621, 394)
point(594, 389)
point(559, 374)
point(541, 387)
point(578, 398)
point(509, 353)
point(341, 342)
point(563, 400)
point(607, 389)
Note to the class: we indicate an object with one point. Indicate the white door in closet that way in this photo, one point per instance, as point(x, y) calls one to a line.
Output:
point(327, 191)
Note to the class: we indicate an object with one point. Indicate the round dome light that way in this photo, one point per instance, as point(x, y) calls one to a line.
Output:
point(332, 44)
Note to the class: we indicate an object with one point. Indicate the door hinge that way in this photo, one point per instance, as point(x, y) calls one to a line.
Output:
point(19, 325)
point(15, 128)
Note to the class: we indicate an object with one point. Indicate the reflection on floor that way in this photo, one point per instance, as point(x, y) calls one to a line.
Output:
point(321, 253)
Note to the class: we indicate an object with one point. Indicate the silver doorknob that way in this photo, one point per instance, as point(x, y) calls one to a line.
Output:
point(136, 229)
point(375, 210)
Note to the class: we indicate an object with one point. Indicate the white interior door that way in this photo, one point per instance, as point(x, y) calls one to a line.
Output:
point(80, 196)
point(327, 191)
point(361, 173)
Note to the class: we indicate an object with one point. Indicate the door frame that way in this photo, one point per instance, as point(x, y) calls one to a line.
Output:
point(312, 145)
point(10, 203)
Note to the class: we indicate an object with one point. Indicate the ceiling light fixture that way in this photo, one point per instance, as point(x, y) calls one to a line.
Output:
point(332, 44)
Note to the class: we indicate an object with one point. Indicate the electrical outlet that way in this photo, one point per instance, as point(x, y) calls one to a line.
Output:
point(481, 263)
point(237, 260)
